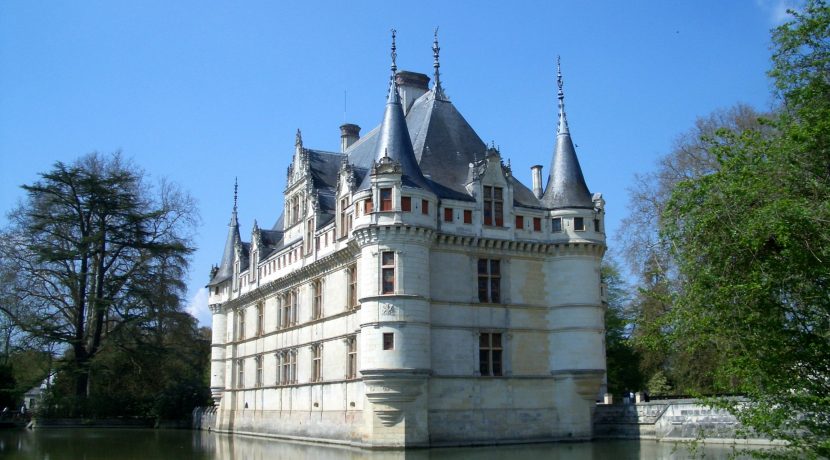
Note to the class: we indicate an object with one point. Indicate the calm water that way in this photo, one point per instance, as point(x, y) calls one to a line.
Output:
point(111, 444)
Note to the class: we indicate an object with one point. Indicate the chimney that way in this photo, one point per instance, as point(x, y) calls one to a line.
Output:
point(411, 86)
point(536, 174)
point(349, 134)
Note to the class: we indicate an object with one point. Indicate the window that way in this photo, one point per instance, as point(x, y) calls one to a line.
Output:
point(317, 299)
point(388, 341)
point(260, 319)
point(240, 334)
point(344, 219)
point(309, 235)
point(240, 373)
point(289, 309)
point(537, 224)
point(351, 279)
point(489, 280)
point(316, 363)
point(556, 224)
point(386, 199)
point(351, 357)
point(468, 216)
point(367, 206)
point(406, 203)
point(447, 214)
point(579, 224)
point(258, 361)
point(489, 354)
point(387, 265)
point(295, 210)
point(287, 367)
point(424, 207)
point(493, 206)
point(520, 222)
point(596, 225)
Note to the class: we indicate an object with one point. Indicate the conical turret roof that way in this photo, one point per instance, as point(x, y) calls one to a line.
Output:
point(566, 186)
point(394, 142)
point(225, 270)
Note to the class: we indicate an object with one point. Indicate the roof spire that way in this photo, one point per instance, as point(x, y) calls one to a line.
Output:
point(394, 55)
point(563, 121)
point(566, 186)
point(225, 269)
point(235, 199)
point(298, 139)
point(437, 89)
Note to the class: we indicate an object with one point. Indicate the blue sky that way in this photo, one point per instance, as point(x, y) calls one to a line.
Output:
point(200, 92)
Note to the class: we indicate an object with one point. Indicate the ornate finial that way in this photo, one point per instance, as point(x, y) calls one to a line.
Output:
point(563, 121)
point(298, 140)
point(438, 90)
point(394, 54)
point(235, 193)
point(386, 153)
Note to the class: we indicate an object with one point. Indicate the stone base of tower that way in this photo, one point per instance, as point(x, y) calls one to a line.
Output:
point(395, 412)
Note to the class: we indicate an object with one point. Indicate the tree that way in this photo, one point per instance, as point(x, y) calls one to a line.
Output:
point(622, 360)
point(752, 243)
point(651, 261)
point(97, 251)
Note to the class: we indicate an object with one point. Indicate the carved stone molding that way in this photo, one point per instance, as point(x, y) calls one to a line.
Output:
point(390, 390)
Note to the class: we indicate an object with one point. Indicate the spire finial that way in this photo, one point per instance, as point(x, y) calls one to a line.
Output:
point(563, 122)
point(437, 89)
point(298, 140)
point(235, 193)
point(394, 54)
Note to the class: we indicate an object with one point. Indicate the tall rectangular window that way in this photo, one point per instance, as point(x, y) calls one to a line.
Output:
point(468, 216)
point(260, 319)
point(316, 363)
point(344, 204)
point(295, 209)
point(240, 373)
point(367, 206)
point(240, 334)
point(387, 266)
point(520, 222)
point(351, 357)
point(351, 279)
point(537, 224)
point(424, 207)
point(448, 214)
point(388, 341)
point(258, 361)
point(489, 280)
point(493, 206)
point(490, 354)
point(579, 224)
point(556, 225)
point(386, 199)
point(317, 299)
point(406, 203)
point(596, 225)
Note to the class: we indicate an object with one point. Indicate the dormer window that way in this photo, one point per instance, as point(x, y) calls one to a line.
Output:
point(493, 206)
point(386, 199)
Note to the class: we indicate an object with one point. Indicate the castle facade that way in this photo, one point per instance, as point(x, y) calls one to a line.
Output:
point(413, 292)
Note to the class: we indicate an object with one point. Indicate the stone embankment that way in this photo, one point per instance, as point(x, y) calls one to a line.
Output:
point(669, 420)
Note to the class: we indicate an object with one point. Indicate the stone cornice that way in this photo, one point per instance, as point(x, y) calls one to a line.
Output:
point(375, 233)
point(302, 274)
point(572, 248)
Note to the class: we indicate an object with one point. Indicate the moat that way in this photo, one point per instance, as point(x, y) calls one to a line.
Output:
point(143, 444)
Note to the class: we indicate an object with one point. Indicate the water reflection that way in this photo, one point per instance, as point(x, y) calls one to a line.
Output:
point(111, 444)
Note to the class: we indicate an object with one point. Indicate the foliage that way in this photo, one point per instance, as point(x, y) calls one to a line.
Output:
point(99, 256)
point(622, 360)
point(752, 243)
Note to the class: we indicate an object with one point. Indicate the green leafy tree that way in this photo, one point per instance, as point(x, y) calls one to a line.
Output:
point(622, 360)
point(752, 244)
point(97, 252)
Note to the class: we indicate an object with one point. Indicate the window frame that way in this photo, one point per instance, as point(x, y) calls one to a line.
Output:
point(581, 224)
point(491, 354)
point(406, 204)
point(388, 339)
point(317, 298)
point(468, 216)
point(385, 195)
point(351, 358)
point(258, 363)
point(489, 280)
point(493, 201)
point(387, 272)
point(260, 319)
point(556, 225)
point(317, 362)
point(520, 222)
point(425, 207)
point(351, 287)
point(240, 333)
point(449, 215)
point(537, 224)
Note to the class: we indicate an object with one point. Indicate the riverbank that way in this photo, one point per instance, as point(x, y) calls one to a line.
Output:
point(671, 420)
